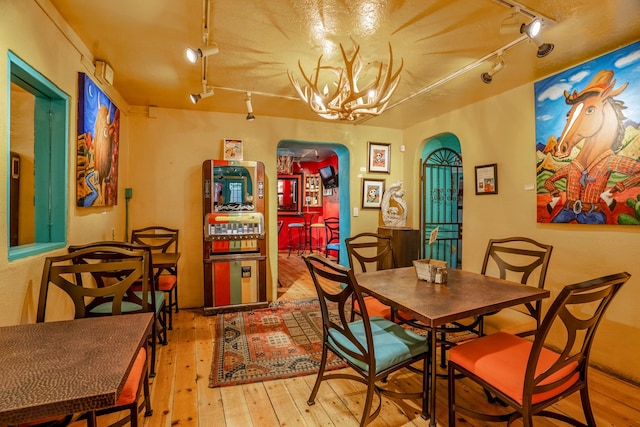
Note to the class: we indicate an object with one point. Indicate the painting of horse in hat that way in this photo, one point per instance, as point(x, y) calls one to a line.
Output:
point(590, 174)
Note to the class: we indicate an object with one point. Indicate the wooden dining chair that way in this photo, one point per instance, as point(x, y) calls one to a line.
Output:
point(370, 252)
point(157, 302)
point(519, 259)
point(162, 240)
point(373, 347)
point(528, 376)
point(117, 269)
point(523, 260)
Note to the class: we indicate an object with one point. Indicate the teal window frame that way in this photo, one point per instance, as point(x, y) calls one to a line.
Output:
point(51, 153)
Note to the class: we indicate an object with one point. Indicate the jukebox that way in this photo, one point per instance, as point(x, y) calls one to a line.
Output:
point(234, 246)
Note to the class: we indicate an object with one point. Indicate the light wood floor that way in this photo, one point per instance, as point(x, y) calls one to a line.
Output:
point(181, 396)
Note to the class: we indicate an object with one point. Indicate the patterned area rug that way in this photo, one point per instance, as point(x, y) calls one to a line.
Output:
point(281, 341)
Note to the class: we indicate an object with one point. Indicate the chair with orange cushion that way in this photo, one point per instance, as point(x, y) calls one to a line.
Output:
point(519, 259)
point(371, 251)
point(523, 260)
point(164, 240)
point(117, 269)
point(527, 375)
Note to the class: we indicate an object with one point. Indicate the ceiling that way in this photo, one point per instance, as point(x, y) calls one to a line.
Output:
point(444, 46)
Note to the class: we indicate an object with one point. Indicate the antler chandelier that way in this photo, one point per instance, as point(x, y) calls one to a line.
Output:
point(346, 101)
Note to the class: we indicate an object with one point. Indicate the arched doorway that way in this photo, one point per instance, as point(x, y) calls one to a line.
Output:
point(293, 147)
point(441, 181)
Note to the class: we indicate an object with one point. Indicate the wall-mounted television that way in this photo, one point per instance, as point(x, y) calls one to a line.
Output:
point(329, 176)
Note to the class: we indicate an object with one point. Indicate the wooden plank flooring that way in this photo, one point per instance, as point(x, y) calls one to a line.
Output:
point(181, 396)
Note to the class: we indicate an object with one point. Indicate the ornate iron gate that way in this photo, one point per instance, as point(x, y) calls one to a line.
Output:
point(441, 206)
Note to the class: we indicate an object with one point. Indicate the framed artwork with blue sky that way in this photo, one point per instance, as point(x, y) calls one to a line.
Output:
point(588, 141)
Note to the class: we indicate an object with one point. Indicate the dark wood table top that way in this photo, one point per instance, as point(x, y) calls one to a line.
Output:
point(58, 368)
point(165, 260)
point(465, 294)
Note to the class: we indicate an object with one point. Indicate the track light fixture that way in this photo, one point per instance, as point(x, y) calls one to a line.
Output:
point(487, 77)
point(247, 101)
point(533, 30)
point(206, 92)
point(194, 54)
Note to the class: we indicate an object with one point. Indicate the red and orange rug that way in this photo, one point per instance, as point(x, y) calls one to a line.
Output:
point(281, 341)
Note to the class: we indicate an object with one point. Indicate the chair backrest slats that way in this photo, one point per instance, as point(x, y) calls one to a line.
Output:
point(332, 226)
point(112, 272)
point(160, 239)
point(519, 255)
point(371, 251)
point(577, 310)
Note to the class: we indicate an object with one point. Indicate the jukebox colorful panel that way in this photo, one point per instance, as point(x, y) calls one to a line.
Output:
point(234, 249)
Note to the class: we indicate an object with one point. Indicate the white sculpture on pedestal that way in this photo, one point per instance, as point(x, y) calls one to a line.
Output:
point(394, 207)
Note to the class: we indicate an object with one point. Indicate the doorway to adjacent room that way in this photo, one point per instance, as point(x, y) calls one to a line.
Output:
point(313, 184)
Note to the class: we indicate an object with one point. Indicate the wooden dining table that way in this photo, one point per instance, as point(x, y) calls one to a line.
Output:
point(67, 367)
point(165, 260)
point(464, 295)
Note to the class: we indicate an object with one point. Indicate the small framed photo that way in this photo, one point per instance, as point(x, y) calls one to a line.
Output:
point(487, 179)
point(379, 157)
point(372, 191)
point(233, 149)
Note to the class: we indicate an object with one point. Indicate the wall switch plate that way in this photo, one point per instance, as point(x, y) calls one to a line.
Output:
point(356, 212)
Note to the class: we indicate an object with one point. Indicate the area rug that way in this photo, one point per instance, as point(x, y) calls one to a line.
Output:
point(281, 341)
point(278, 342)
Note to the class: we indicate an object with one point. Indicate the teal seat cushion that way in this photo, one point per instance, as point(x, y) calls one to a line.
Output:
point(127, 306)
point(159, 299)
point(393, 344)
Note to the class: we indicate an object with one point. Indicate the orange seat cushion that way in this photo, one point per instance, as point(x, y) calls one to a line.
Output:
point(501, 360)
point(374, 307)
point(167, 282)
point(130, 390)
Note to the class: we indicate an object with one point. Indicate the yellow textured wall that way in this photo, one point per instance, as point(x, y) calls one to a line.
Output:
point(27, 31)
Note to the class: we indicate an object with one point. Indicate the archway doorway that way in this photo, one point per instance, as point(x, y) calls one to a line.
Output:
point(306, 157)
point(441, 198)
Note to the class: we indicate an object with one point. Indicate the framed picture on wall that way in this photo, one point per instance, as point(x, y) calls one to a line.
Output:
point(487, 179)
point(379, 157)
point(372, 191)
point(233, 149)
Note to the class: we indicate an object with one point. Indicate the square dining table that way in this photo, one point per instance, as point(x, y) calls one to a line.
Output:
point(67, 367)
point(464, 295)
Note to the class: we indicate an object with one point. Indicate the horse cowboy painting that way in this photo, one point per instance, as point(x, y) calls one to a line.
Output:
point(591, 173)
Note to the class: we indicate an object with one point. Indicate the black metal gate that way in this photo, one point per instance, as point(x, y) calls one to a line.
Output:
point(441, 206)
